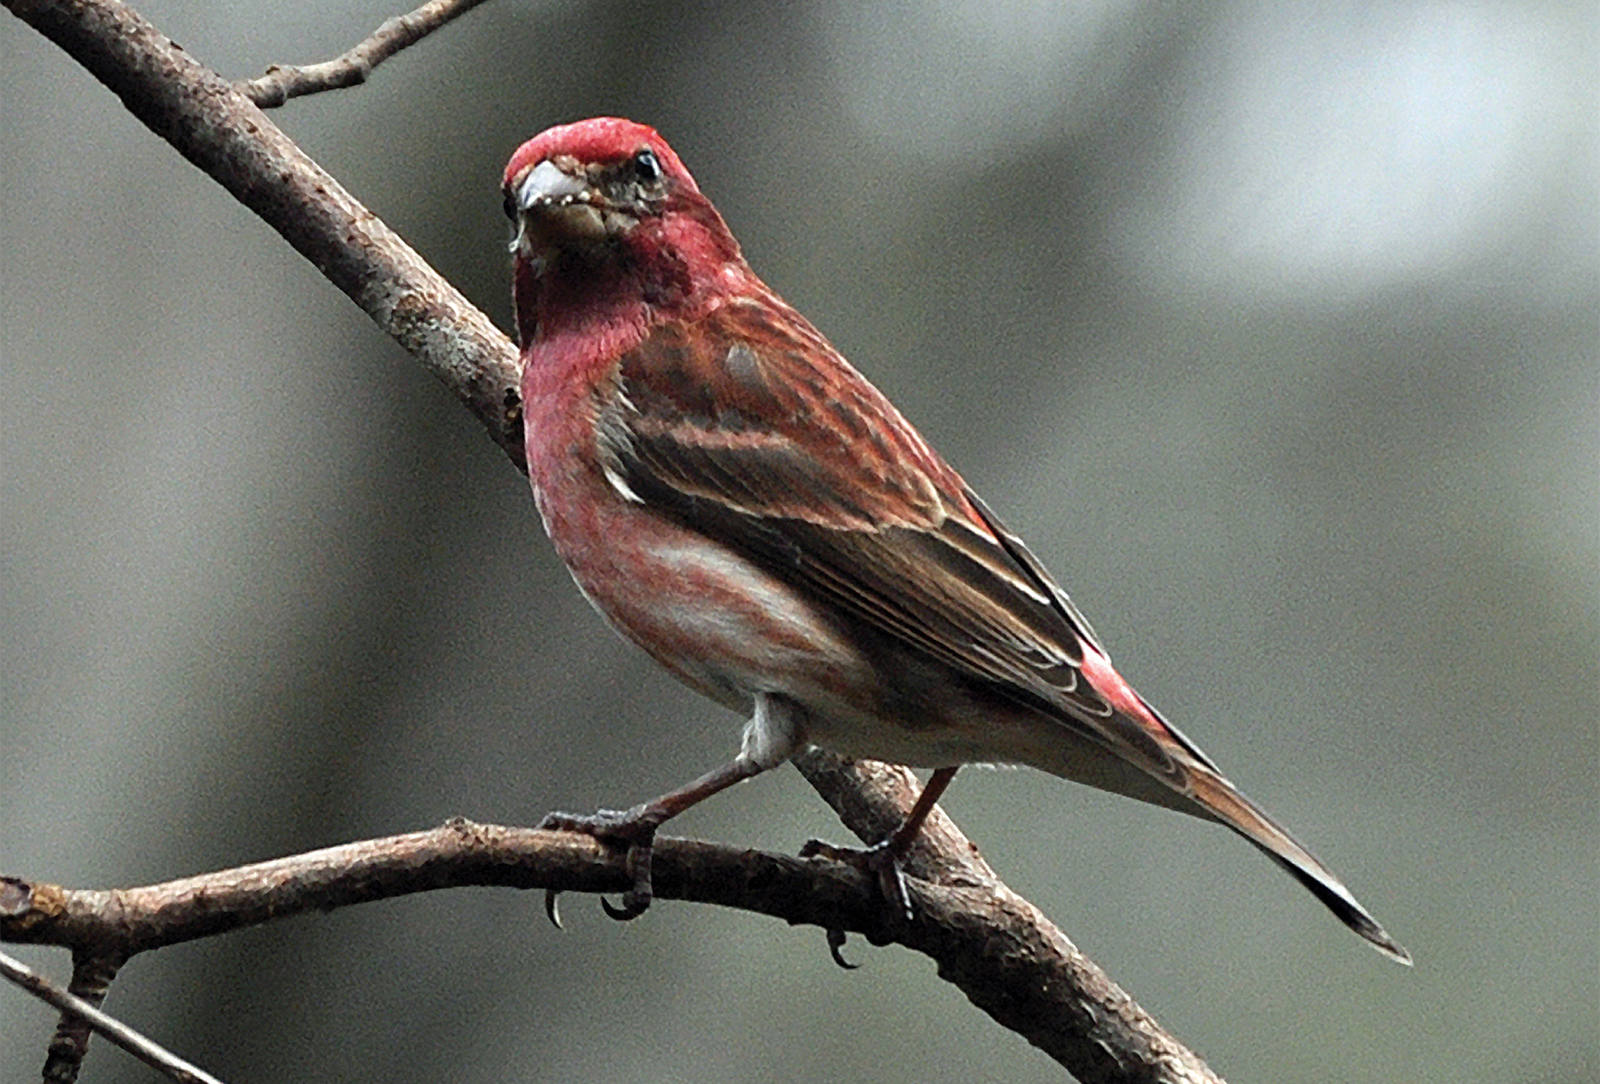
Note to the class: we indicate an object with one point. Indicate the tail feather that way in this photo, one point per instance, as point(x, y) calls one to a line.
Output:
point(1223, 801)
point(1132, 750)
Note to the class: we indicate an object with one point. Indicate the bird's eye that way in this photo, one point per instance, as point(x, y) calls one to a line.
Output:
point(510, 205)
point(647, 167)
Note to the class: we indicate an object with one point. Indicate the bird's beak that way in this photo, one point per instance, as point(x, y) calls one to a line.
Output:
point(555, 207)
point(548, 183)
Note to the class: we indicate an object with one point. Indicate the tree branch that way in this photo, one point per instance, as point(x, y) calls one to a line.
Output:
point(221, 131)
point(996, 947)
point(458, 854)
point(352, 68)
point(81, 1010)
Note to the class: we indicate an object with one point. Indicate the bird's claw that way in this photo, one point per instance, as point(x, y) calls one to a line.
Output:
point(636, 900)
point(836, 940)
point(637, 831)
point(882, 864)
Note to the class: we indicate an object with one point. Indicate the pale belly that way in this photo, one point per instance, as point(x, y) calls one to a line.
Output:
point(730, 629)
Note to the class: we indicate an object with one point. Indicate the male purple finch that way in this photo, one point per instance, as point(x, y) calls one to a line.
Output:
point(741, 503)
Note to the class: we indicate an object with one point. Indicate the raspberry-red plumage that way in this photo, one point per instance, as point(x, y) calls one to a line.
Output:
point(743, 504)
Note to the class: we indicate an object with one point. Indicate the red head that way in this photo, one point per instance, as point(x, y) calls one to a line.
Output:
point(608, 221)
point(597, 141)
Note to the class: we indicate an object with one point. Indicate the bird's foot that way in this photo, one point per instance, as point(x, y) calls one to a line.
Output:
point(881, 862)
point(634, 828)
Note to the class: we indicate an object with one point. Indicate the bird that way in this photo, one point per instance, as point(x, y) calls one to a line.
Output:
point(739, 501)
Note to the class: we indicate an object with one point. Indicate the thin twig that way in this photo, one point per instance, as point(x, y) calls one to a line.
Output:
point(285, 81)
point(146, 1050)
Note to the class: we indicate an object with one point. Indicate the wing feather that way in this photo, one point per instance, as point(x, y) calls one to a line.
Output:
point(822, 482)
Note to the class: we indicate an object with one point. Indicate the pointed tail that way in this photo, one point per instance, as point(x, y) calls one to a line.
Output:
point(1223, 801)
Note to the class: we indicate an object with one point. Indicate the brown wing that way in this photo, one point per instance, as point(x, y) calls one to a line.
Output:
point(733, 426)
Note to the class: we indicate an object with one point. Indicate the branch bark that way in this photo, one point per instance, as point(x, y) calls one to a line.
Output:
point(995, 946)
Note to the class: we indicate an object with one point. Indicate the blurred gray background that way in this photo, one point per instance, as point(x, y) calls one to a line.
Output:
point(1273, 327)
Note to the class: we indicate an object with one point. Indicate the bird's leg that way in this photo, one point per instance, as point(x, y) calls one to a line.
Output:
point(770, 738)
point(636, 828)
point(882, 860)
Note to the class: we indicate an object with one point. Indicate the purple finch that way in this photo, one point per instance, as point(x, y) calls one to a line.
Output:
point(741, 503)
